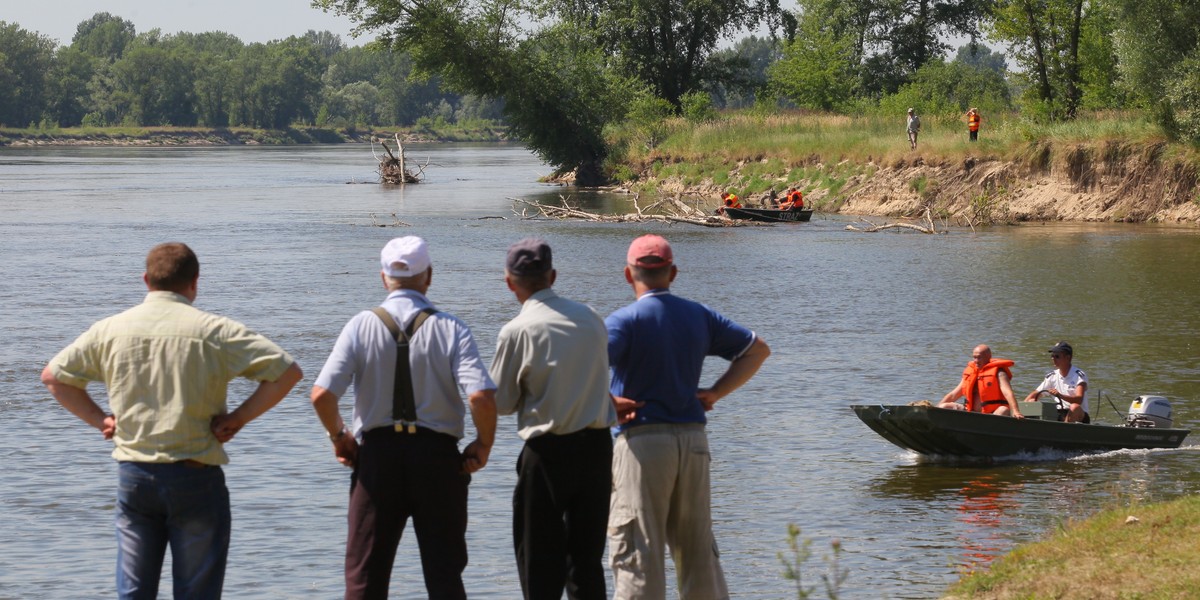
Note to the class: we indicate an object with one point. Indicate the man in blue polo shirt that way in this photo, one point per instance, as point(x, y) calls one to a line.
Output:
point(656, 347)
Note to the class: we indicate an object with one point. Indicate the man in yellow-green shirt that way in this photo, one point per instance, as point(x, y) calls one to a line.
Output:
point(166, 366)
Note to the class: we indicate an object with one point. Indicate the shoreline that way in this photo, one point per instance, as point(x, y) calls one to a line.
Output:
point(234, 136)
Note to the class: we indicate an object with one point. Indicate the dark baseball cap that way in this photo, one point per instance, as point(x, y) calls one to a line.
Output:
point(530, 256)
point(1063, 347)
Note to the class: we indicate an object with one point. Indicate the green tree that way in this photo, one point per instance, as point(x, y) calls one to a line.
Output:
point(669, 45)
point(25, 59)
point(558, 86)
point(949, 88)
point(739, 73)
point(104, 36)
point(158, 81)
point(70, 74)
point(817, 70)
point(1158, 41)
point(1045, 37)
point(215, 55)
point(981, 57)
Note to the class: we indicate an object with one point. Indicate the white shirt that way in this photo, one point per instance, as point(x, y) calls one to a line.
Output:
point(442, 354)
point(1065, 385)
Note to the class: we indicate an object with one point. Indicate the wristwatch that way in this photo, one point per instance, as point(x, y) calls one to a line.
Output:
point(334, 437)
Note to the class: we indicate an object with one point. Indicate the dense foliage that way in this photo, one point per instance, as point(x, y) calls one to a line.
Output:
point(112, 75)
point(583, 81)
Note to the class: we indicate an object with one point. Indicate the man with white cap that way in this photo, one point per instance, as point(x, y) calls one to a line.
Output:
point(657, 347)
point(408, 418)
point(552, 370)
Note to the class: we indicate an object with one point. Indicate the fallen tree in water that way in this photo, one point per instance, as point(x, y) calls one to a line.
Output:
point(670, 210)
point(392, 168)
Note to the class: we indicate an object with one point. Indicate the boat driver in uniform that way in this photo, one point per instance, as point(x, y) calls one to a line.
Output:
point(986, 386)
point(1067, 384)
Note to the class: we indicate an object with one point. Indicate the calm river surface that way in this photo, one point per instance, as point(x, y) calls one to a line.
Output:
point(288, 247)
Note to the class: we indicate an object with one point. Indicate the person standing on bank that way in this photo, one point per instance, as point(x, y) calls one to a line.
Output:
point(1067, 384)
point(408, 418)
point(914, 128)
point(656, 347)
point(166, 366)
point(551, 369)
point(973, 124)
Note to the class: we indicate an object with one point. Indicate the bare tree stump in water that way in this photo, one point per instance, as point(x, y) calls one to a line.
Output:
point(392, 168)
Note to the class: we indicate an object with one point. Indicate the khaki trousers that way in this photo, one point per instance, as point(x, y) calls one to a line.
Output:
point(661, 500)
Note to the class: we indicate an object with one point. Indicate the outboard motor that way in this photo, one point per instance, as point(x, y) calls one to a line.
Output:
point(1149, 411)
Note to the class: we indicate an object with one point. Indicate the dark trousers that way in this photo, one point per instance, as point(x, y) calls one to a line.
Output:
point(560, 514)
point(400, 475)
point(975, 135)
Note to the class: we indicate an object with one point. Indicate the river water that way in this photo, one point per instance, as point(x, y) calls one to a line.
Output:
point(288, 245)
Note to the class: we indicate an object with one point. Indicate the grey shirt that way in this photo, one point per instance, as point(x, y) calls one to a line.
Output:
point(551, 368)
point(442, 354)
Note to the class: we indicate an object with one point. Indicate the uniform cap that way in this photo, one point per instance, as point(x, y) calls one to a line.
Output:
point(530, 256)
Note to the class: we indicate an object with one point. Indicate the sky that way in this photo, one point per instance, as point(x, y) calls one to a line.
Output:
point(249, 20)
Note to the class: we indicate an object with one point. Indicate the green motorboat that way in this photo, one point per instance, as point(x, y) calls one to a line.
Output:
point(929, 430)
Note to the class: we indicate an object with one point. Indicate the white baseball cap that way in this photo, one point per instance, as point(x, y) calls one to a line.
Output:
point(405, 257)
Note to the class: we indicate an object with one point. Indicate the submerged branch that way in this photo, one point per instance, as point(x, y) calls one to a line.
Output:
point(672, 211)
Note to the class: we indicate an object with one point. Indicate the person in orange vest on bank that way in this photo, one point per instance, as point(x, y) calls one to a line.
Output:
point(729, 200)
point(793, 201)
point(973, 123)
point(986, 386)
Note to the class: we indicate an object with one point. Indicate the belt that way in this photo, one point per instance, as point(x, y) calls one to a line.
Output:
point(389, 431)
point(193, 464)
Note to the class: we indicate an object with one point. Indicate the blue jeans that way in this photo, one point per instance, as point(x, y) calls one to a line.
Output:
point(184, 506)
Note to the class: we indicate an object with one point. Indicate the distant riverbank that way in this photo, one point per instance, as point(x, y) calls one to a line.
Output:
point(234, 136)
point(1099, 168)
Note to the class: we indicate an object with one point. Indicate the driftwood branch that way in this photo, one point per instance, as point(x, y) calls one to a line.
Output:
point(872, 227)
point(665, 211)
point(396, 222)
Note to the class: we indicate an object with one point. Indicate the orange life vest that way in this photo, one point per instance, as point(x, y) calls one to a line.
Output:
point(732, 201)
point(982, 385)
point(795, 199)
point(973, 121)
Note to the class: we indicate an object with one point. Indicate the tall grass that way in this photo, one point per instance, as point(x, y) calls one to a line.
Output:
point(794, 139)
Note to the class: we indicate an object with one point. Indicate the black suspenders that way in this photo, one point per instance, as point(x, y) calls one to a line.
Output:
point(404, 408)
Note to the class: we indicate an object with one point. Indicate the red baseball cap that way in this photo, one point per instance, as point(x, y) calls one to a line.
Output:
point(650, 251)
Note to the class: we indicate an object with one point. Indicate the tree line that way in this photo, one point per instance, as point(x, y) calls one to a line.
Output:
point(111, 75)
point(566, 75)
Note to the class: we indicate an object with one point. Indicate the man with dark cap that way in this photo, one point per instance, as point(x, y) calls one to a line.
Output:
point(657, 347)
point(1067, 384)
point(551, 369)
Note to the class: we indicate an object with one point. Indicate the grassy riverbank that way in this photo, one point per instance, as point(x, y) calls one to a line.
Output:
point(482, 131)
point(1152, 555)
point(1101, 167)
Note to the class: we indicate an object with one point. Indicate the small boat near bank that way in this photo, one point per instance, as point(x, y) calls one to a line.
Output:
point(930, 430)
point(769, 215)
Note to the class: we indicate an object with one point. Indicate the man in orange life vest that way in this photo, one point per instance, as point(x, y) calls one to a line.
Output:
point(793, 200)
point(986, 385)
